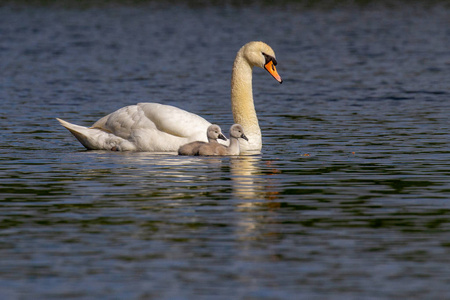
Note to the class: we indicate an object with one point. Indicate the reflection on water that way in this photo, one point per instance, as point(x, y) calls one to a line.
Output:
point(247, 179)
point(250, 182)
point(348, 199)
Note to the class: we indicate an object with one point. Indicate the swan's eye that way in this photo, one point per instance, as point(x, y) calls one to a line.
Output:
point(269, 58)
point(274, 61)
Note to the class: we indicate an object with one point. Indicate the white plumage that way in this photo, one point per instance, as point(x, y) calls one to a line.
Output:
point(159, 128)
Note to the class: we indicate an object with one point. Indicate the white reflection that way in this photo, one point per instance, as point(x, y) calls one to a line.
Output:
point(249, 183)
point(245, 173)
point(257, 190)
point(159, 166)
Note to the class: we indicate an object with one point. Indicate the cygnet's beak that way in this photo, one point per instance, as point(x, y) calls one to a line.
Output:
point(222, 137)
point(244, 137)
point(270, 67)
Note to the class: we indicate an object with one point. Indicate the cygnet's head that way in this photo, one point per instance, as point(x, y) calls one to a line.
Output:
point(214, 132)
point(236, 131)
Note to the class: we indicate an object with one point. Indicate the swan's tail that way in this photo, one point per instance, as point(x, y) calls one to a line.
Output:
point(96, 139)
point(83, 134)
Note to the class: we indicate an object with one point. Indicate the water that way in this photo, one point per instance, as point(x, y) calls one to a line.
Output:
point(349, 199)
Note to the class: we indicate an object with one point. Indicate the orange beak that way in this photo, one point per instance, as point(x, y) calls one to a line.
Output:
point(270, 67)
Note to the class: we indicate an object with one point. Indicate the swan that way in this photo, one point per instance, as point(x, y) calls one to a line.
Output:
point(164, 128)
point(236, 132)
point(213, 133)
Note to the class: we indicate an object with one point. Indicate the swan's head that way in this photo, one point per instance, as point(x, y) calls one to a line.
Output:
point(236, 131)
point(214, 132)
point(259, 54)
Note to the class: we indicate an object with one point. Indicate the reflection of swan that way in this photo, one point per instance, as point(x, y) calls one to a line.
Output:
point(248, 185)
point(244, 171)
point(157, 127)
point(249, 182)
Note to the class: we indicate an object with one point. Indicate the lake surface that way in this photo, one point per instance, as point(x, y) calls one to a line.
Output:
point(350, 198)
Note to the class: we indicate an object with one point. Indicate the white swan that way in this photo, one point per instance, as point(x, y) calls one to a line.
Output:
point(213, 133)
point(159, 128)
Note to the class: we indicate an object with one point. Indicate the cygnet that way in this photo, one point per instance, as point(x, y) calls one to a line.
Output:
point(236, 132)
point(213, 133)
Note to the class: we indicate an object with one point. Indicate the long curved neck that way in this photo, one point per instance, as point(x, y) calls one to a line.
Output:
point(242, 97)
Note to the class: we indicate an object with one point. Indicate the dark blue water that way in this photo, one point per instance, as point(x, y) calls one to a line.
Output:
point(348, 200)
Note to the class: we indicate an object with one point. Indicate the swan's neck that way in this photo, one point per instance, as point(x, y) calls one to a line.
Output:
point(242, 99)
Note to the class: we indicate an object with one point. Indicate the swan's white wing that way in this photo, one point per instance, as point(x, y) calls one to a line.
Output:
point(175, 121)
point(154, 127)
point(123, 121)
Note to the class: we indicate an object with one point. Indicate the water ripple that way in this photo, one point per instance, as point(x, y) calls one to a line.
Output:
point(347, 200)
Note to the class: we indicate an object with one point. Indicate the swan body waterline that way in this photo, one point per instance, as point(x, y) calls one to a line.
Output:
point(142, 127)
point(236, 132)
point(213, 133)
point(164, 128)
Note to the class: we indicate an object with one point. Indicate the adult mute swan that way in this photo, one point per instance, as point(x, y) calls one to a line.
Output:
point(159, 128)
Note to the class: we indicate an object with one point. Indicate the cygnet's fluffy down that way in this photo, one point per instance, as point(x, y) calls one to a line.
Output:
point(213, 133)
point(236, 132)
